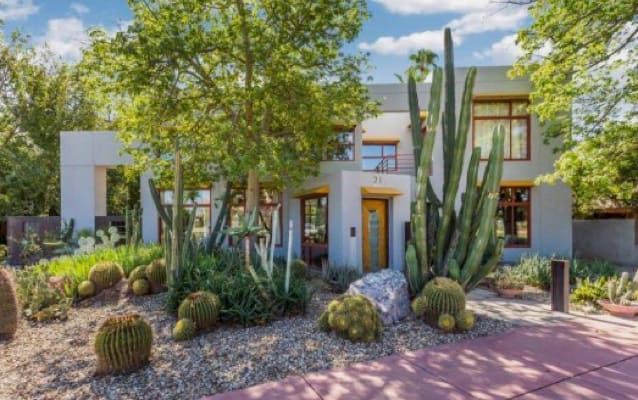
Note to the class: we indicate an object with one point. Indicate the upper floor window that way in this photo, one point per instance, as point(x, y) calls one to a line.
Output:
point(379, 155)
point(343, 147)
point(513, 115)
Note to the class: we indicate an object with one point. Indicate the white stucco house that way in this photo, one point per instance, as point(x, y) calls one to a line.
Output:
point(375, 174)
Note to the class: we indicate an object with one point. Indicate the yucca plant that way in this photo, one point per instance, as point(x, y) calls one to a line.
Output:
point(445, 242)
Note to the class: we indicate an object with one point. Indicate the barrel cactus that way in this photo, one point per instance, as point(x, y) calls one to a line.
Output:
point(202, 308)
point(123, 344)
point(156, 275)
point(418, 306)
point(141, 287)
point(352, 317)
point(86, 289)
point(184, 329)
point(9, 308)
point(446, 322)
point(136, 273)
point(464, 320)
point(105, 274)
point(443, 296)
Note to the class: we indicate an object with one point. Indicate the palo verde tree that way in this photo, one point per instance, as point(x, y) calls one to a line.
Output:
point(251, 89)
point(582, 59)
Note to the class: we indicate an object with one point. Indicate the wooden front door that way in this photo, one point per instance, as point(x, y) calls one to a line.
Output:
point(375, 234)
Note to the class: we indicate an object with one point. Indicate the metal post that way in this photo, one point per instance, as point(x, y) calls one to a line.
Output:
point(560, 285)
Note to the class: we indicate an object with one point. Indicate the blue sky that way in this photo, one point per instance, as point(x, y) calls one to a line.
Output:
point(484, 31)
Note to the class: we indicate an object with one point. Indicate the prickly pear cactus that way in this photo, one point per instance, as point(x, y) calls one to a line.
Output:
point(9, 306)
point(123, 344)
point(202, 308)
point(105, 274)
point(352, 317)
point(443, 296)
point(446, 323)
point(86, 289)
point(184, 329)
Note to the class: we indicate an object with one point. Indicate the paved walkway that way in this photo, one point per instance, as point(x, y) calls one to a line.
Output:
point(553, 356)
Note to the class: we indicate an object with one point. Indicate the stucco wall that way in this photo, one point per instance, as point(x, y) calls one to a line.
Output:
point(608, 239)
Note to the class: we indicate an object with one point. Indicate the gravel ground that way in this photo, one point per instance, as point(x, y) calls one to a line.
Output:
point(56, 360)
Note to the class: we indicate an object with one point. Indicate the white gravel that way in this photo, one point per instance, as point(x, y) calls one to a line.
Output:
point(56, 361)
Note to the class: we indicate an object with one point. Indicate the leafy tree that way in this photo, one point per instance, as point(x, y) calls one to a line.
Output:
point(423, 61)
point(250, 90)
point(582, 58)
point(39, 97)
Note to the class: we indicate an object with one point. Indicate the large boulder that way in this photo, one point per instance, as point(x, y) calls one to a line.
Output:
point(388, 290)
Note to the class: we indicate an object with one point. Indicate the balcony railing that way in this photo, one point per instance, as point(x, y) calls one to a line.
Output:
point(397, 164)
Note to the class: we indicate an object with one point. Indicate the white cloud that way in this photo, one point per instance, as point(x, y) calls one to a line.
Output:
point(79, 8)
point(505, 19)
point(403, 45)
point(65, 37)
point(433, 6)
point(16, 9)
point(503, 52)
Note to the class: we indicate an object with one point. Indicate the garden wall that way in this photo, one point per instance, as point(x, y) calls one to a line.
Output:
point(19, 228)
point(615, 240)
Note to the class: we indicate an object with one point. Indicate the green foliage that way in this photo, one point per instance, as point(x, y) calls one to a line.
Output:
point(86, 289)
point(535, 270)
point(141, 287)
point(76, 267)
point(422, 62)
point(202, 308)
point(464, 320)
point(9, 307)
point(588, 291)
point(462, 245)
point(123, 344)
point(446, 323)
point(585, 85)
point(39, 300)
point(442, 296)
point(184, 329)
point(505, 278)
point(105, 274)
point(352, 317)
point(593, 269)
point(622, 290)
point(339, 276)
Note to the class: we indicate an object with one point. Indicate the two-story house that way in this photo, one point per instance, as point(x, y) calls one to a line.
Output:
point(373, 174)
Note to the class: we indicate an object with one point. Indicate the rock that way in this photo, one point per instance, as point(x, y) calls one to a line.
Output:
point(388, 290)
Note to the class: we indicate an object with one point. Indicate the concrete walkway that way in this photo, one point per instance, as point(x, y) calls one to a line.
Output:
point(553, 356)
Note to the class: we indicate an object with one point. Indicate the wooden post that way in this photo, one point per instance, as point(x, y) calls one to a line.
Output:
point(560, 285)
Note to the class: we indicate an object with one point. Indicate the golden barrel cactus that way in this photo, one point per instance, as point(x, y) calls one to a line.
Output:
point(352, 317)
point(123, 344)
point(9, 306)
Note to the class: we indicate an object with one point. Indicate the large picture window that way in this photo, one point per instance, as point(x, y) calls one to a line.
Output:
point(200, 199)
point(514, 216)
point(513, 115)
point(268, 201)
point(343, 147)
point(382, 155)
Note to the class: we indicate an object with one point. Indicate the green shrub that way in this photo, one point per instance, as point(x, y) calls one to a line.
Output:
point(534, 270)
point(339, 277)
point(588, 292)
point(591, 269)
point(39, 300)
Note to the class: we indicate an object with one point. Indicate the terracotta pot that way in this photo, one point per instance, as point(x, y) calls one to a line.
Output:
point(509, 293)
point(619, 310)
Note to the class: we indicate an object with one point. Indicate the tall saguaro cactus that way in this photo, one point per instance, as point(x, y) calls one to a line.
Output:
point(462, 245)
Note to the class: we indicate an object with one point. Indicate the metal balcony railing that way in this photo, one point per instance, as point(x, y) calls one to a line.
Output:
point(397, 164)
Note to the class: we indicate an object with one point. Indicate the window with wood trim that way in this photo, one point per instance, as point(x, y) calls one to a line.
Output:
point(513, 115)
point(342, 148)
point(268, 201)
point(199, 198)
point(514, 216)
point(376, 154)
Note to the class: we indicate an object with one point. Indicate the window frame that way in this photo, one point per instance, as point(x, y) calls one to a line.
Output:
point(344, 145)
point(307, 246)
point(188, 206)
point(510, 117)
point(381, 143)
point(280, 242)
point(513, 204)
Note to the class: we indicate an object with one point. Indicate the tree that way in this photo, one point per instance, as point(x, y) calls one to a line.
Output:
point(423, 61)
point(250, 89)
point(39, 97)
point(582, 59)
